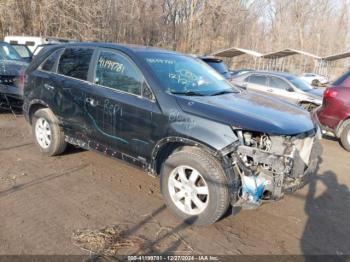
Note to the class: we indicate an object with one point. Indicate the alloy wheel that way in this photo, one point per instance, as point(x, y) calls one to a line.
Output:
point(43, 133)
point(188, 190)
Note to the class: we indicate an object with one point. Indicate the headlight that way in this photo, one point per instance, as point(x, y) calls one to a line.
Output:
point(255, 139)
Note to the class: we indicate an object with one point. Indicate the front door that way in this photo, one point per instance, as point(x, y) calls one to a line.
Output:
point(282, 89)
point(119, 114)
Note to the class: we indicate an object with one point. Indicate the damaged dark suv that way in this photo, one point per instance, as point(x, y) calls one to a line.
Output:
point(211, 144)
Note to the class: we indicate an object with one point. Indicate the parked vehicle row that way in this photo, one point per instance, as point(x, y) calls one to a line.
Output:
point(211, 144)
point(314, 79)
point(12, 68)
point(32, 42)
point(281, 85)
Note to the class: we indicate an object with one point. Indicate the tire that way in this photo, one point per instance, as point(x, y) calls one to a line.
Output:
point(345, 137)
point(211, 176)
point(45, 124)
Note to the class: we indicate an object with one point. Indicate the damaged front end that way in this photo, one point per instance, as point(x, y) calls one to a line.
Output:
point(269, 166)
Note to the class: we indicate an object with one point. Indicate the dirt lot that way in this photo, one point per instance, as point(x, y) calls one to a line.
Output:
point(45, 203)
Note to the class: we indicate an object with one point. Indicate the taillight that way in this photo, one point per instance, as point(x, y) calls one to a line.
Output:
point(329, 92)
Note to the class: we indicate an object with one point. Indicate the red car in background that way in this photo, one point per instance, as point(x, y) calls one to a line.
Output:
point(334, 114)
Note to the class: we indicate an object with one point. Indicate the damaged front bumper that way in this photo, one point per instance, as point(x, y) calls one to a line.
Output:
point(286, 167)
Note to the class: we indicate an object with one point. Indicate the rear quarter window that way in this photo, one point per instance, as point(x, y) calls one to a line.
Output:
point(74, 62)
point(49, 63)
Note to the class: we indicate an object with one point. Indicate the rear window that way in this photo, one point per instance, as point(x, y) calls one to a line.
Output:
point(75, 62)
point(343, 80)
point(48, 64)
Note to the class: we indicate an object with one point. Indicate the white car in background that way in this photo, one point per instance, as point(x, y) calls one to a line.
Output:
point(314, 79)
point(32, 42)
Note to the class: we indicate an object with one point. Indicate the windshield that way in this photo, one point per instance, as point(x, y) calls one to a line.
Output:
point(7, 52)
point(300, 84)
point(185, 75)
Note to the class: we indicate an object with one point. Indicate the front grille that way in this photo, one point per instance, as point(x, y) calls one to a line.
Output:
point(8, 80)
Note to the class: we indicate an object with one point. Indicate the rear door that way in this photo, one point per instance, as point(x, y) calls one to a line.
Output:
point(119, 105)
point(72, 79)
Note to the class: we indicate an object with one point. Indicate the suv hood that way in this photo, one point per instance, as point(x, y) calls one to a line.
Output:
point(250, 111)
point(12, 67)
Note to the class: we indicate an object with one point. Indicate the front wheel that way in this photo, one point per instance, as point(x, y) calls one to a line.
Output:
point(194, 186)
point(345, 137)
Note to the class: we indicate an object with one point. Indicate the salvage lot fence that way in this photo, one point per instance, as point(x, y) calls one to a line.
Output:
point(285, 60)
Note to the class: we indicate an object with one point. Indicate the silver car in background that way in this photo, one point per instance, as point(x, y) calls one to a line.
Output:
point(282, 85)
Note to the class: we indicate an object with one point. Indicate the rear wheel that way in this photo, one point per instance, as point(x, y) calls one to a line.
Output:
point(48, 135)
point(194, 186)
point(345, 137)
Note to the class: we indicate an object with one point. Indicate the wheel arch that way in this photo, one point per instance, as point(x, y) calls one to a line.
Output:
point(341, 126)
point(165, 147)
point(34, 106)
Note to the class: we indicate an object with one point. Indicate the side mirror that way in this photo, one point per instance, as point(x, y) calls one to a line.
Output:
point(290, 89)
point(242, 85)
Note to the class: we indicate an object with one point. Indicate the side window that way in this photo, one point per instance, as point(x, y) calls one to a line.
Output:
point(278, 83)
point(22, 50)
point(75, 62)
point(246, 78)
point(116, 71)
point(48, 64)
point(257, 79)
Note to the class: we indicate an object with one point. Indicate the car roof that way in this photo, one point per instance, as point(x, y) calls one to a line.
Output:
point(129, 47)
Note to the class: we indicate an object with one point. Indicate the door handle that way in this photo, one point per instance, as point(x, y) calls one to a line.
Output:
point(269, 90)
point(243, 85)
point(49, 87)
point(91, 101)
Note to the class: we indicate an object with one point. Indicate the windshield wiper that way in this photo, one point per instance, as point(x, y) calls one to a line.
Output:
point(188, 93)
point(223, 92)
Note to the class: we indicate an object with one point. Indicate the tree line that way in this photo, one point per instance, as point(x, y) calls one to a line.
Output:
point(192, 26)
